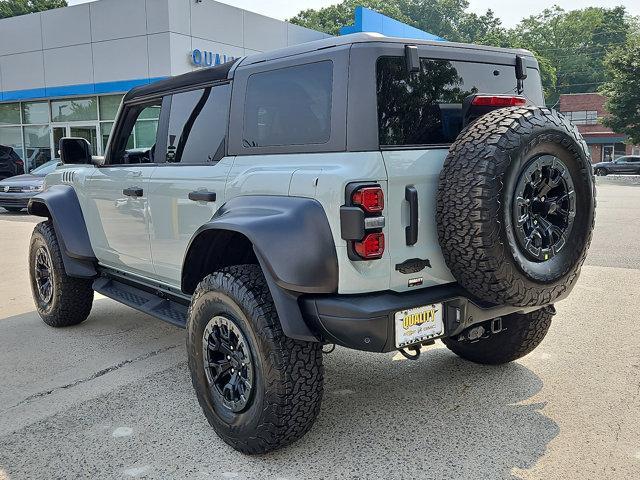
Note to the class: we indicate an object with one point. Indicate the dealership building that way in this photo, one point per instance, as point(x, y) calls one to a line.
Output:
point(63, 72)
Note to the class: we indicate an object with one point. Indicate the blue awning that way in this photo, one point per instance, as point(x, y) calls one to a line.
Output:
point(367, 20)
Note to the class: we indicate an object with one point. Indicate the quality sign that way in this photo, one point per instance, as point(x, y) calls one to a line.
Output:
point(203, 58)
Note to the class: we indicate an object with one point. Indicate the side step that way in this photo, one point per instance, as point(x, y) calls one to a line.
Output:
point(155, 304)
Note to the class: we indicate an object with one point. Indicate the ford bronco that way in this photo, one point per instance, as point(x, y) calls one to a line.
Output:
point(375, 193)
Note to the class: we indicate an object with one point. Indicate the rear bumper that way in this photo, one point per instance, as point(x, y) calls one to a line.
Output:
point(366, 322)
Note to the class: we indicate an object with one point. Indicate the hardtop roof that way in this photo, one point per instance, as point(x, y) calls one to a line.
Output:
point(225, 71)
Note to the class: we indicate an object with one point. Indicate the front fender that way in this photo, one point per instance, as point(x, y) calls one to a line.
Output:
point(60, 204)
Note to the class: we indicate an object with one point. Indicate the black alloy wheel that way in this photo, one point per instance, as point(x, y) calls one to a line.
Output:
point(227, 363)
point(43, 274)
point(544, 207)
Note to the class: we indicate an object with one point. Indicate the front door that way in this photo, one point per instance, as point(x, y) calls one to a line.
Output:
point(117, 192)
point(188, 189)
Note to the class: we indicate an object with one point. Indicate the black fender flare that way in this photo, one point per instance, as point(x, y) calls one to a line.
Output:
point(60, 204)
point(292, 241)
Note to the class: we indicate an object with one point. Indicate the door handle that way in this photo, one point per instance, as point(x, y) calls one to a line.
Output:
point(411, 232)
point(133, 192)
point(202, 196)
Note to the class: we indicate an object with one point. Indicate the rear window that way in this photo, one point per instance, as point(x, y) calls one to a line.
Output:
point(289, 106)
point(425, 108)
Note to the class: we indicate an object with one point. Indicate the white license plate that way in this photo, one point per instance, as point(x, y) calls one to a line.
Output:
point(418, 324)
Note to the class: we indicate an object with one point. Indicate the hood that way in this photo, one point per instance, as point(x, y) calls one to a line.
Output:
point(26, 179)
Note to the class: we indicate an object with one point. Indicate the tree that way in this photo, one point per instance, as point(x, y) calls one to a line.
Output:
point(622, 90)
point(12, 8)
point(573, 45)
point(446, 18)
point(570, 46)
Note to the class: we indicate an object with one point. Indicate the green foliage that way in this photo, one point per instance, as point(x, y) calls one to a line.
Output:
point(570, 46)
point(12, 8)
point(623, 89)
point(573, 44)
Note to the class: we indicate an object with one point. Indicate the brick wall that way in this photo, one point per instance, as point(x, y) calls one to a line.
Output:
point(580, 102)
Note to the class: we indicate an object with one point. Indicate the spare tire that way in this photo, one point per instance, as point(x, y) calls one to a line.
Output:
point(516, 206)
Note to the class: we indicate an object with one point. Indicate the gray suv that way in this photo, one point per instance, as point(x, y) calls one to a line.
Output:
point(370, 192)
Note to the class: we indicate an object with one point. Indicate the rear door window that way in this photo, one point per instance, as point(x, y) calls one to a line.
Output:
point(425, 108)
point(198, 125)
point(289, 106)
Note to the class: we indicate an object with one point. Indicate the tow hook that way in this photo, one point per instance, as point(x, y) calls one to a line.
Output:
point(482, 331)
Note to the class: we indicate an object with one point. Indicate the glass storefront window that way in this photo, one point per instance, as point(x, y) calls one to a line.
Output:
point(37, 146)
point(9, 114)
point(74, 110)
point(35, 112)
point(11, 151)
point(105, 131)
point(145, 133)
point(109, 105)
point(150, 113)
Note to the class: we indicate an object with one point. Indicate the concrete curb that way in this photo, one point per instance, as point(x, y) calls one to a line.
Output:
point(618, 180)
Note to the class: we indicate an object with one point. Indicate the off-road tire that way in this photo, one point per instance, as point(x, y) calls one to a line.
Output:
point(522, 334)
point(72, 298)
point(474, 206)
point(288, 382)
point(13, 209)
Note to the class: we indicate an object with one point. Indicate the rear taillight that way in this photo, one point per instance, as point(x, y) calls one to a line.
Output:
point(371, 199)
point(362, 221)
point(371, 246)
point(498, 101)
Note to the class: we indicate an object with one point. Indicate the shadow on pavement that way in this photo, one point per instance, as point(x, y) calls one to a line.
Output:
point(439, 417)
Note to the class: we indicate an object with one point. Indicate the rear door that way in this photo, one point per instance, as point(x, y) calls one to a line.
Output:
point(419, 116)
point(189, 187)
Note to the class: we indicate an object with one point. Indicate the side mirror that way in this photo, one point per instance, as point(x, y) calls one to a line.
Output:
point(75, 151)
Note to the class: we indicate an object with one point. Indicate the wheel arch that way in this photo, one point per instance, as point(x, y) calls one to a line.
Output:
point(276, 233)
point(59, 203)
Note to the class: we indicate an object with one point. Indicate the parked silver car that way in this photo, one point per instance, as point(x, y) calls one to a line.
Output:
point(16, 191)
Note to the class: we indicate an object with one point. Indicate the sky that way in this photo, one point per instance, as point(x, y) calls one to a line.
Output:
point(509, 11)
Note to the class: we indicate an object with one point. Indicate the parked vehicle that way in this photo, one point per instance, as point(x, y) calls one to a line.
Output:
point(10, 162)
point(15, 192)
point(371, 192)
point(627, 165)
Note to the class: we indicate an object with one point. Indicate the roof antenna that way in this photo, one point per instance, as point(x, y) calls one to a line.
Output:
point(521, 73)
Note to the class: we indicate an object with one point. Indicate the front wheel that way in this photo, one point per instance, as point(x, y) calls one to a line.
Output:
point(259, 389)
point(61, 300)
point(521, 334)
point(601, 172)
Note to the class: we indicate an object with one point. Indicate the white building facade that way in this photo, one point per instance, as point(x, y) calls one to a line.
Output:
point(63, 71)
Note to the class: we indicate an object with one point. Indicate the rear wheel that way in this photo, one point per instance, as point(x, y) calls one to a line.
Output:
point(521, 334)
point(61, 300)
point(259, 389)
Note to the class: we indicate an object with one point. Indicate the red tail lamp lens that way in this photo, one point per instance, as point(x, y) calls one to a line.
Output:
point(369, 198)
point(498, 101)
point(371, 246)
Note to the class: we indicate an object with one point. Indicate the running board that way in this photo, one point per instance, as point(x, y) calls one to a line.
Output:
point(151, 303)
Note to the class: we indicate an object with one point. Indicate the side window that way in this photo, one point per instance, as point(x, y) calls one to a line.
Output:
point(289, 106)
point(136, 140)
point(198, 125)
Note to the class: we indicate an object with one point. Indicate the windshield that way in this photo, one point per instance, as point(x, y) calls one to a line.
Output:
point(45, 168)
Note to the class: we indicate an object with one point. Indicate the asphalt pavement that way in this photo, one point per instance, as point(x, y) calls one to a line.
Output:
point(112, 398)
